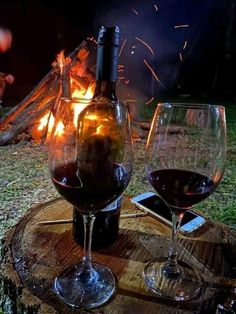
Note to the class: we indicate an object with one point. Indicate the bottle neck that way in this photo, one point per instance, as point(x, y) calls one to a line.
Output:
point(105, 89)
point(107, 63)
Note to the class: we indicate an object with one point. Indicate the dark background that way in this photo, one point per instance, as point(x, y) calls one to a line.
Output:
point(42, 28)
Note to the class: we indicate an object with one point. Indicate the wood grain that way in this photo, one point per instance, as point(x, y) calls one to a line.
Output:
point(33, 254)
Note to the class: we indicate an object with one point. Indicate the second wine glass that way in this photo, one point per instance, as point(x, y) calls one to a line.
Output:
point(185, 158)
point(90, 161)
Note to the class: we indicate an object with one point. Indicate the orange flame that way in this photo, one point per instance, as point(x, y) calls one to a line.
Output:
point(48, 119)
point(44, 120)
point(99, 129)
point(61, 60)
point(59, 129)
point(78, 107)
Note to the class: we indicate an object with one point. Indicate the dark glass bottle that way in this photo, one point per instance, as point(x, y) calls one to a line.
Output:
point(106, 225)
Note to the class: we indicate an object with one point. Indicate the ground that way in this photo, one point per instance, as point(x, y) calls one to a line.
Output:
point(25, 180)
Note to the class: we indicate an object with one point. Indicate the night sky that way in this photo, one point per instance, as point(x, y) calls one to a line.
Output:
point(41, 29)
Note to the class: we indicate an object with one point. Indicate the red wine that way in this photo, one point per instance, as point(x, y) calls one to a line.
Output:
point(90, 189)
point(181, 188)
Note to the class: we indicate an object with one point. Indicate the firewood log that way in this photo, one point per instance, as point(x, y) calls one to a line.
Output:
point(9, 135)
point(12, 114)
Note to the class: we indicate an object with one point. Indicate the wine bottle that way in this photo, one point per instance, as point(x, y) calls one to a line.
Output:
point(106, 225)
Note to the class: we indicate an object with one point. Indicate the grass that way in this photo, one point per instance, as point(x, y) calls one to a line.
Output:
point(25, 181)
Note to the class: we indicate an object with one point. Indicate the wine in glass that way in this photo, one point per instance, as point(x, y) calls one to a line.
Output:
point(185, 158)
point(90, 165)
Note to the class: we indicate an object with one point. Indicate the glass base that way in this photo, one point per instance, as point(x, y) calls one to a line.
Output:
point(184, 287)
point(85, 291)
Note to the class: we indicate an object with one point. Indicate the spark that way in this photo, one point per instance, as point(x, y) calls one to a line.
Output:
point(180, 57)
point(181, 26)
point(61, 60)
point(145, 44)
point(150, 100)
point(121, 77)
point(136, 12)
point(156, 7)
point(126, 81)
point(120, 70)
point(92, 39)
point(153, 73)
point(185, 44)
point(122, 47)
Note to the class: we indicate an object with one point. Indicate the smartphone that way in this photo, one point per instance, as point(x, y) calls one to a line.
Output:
point(155, 206)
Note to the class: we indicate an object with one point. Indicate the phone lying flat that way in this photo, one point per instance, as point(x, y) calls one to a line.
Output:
point(154, 206)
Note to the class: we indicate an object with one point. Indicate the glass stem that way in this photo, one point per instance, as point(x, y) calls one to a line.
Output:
point(87, 272)
point(172, 269)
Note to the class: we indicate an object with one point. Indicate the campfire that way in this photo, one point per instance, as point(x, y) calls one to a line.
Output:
point(71, 76)
point(34, 116)
point(44, 126)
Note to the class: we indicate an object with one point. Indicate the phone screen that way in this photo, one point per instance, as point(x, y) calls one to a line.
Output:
point(155, 204)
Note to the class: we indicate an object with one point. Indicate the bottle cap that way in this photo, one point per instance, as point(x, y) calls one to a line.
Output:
point(109, 35)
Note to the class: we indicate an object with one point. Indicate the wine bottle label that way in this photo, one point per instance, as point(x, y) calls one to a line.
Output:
point(115, 205)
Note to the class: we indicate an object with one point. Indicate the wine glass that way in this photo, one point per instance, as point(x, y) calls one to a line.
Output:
point(90, 161)
point(184, 162)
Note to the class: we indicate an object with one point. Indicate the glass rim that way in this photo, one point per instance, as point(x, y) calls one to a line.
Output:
point(76, 99)
point(81, 99)
point(191, 105)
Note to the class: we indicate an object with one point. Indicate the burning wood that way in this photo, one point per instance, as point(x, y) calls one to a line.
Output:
point(69, 77)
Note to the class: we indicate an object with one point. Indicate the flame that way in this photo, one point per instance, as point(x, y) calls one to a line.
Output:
point(44, 121)
point(48, 119)
point(92, 117)
point(99, 129)
point(78, 107)
point(59, 129)
point(61, 60)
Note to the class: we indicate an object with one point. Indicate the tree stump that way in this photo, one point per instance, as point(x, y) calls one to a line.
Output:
point(33, 255)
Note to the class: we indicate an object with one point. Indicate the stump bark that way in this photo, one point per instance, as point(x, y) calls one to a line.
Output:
point(33, 254)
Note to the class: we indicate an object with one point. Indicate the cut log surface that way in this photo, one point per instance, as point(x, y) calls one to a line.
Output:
point(33, 255)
